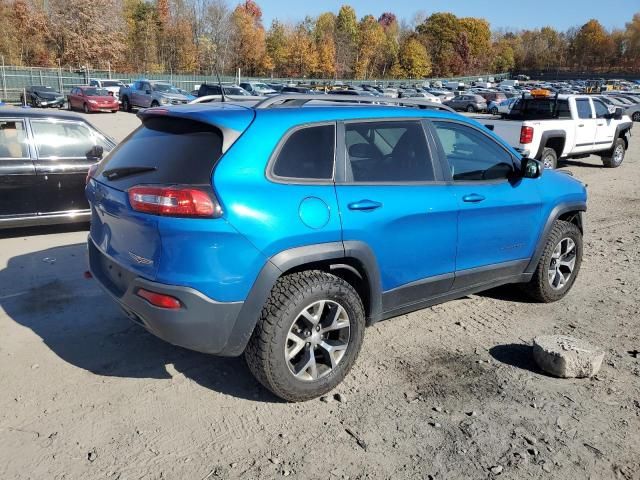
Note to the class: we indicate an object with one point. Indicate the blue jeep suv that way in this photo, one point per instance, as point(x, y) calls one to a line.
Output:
point(280, 229)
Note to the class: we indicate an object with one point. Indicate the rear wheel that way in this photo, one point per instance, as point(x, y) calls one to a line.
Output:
point(471, 108)
point(549, 158)
point(615, 157)
point(559, 264)
point(635, 117)
point(494, 111)
point(308, 336)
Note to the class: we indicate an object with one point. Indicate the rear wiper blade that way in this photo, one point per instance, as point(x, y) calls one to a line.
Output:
point(121, 172)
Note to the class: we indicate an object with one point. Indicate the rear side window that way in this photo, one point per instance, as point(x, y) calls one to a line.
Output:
point(390, 151)
point(163, 150)
point(13, 140)
point(307, 154)
point(601, 109)
point(584, 108)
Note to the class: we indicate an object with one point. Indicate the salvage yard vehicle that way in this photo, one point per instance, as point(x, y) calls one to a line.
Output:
point(283, 232)
point(92, 99)
point(44, 158)
point(468, 102)
point(550, 128)
point(112, 86)
point(42, 96)
point(150, 93)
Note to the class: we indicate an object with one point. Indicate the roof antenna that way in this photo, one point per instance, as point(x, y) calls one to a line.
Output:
point(222, 97)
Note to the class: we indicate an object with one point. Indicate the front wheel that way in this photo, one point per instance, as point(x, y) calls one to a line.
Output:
point(308, 336)
point(126, 106)
point(493, 111)
point(635, 117)
point(616, 155)
point(559, 264)
point(85, 108)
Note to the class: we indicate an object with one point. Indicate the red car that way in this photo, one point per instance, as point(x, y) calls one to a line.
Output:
point(92, 99)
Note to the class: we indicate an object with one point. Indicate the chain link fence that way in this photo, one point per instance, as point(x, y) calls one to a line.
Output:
point(14, 79)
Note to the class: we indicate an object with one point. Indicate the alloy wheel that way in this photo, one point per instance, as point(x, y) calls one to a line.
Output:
point(563, 262)
point(317, 340)
point(547, 162)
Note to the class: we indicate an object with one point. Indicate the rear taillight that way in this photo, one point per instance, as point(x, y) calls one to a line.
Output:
point(526, 134)
point(174, 202)
point(92, 170)
point(159, 300)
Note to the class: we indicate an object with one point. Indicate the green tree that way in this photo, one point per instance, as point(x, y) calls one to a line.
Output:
point(325, 37)
point(277, 47)
point(346, 40)
point(413, 61)
point(371, 39)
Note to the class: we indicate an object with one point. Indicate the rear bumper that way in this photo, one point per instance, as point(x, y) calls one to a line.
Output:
point(202, 324)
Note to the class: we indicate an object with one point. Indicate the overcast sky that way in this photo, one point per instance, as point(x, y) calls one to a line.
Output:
point(516, 14)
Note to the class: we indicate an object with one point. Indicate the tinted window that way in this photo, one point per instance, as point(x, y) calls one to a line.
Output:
point(601, 109)
point(65, 139)
point(388, 152)
point(584, 108)
point(13, 139)
point(472, 156)
point(179, 150)
point(563, 109)
point(308, 153)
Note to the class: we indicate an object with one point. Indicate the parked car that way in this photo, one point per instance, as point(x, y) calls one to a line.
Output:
point(257, 88)
point(42, 96)
point(112, 86)
point(277, 87)
point(492, 96)
point(150, 93)
point(213, 89)
point(632, 111)
point(301, 90)
point(503, 107)
point(44, 158)
point(567, 126)
point(317, 216)
point(92, 99)
point(468, 103)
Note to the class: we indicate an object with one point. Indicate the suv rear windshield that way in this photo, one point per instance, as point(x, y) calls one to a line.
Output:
point(163, 150)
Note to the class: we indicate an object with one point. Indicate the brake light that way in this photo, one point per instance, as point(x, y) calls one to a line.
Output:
point(92, 170)
point(174, 202)
point(159, 300)
point(526, 134)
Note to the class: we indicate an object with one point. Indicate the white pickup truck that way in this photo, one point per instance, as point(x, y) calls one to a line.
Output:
point(563, 127)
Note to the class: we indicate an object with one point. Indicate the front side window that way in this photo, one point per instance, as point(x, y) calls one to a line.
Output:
point(601, 109)
point(584, 108)
point(471, 155)
point(13, 140)
point(387, 151)
point(65, 139)
point(307, 154)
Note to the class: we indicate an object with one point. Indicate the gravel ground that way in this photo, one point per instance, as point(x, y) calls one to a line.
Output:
point(450, 392)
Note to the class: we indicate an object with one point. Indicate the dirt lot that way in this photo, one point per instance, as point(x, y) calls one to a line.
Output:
point(445, 393)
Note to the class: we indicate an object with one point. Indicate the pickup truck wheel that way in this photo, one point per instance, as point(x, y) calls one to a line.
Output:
point(126, 106)
point(549, 158)
point(616, 154)
point(559, 264)
point(308, 336)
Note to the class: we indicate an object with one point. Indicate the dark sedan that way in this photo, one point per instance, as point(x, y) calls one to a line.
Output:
point(42, 96)
point(44, 160)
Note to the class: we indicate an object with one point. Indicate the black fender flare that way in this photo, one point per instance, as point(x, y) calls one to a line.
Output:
point(557, 211)
point(548, 135)
point(290, 259)
point(621, 129)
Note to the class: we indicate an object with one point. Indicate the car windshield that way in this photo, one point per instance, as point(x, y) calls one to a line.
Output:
point(235, 91)
point(111, 83)
point(262, 86)
point(95, 92)
point(42, 88)
point(164, 87)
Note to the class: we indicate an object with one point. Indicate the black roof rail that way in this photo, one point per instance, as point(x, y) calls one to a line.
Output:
point(298, 100)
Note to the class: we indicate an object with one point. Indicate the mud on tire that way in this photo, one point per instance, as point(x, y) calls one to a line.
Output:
point(269, 346)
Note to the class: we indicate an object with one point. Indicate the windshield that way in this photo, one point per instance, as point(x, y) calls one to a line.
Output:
point(111, 83)
point(235, 91)
point(42, 88)
point(164, 87)
point(95, 92)
point(262, 86)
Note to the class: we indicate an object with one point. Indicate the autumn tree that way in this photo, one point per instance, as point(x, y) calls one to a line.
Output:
point(325, 38)
point(249, 43)
point(277, 47)
point(391, 45)
point(369, 48)
point(591, 45)
point(413, 60)
point(346, 40)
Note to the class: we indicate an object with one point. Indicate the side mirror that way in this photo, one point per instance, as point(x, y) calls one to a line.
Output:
point(530, 168)
point(95, 153)
point(617, 115)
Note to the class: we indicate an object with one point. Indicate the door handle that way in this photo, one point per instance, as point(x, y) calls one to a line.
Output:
point(366, 205)
point(581, 125)
point(601, 124)
point(473, 198)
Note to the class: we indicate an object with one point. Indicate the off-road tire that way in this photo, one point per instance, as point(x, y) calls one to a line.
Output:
point(265, 352)
point(551, 157)
point(538, 288)
point(615, 157)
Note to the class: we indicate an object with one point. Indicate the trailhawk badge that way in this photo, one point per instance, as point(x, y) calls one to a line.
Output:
point(140, 260)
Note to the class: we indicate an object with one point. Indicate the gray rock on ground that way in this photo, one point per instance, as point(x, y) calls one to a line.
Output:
point(567, 357)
